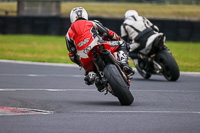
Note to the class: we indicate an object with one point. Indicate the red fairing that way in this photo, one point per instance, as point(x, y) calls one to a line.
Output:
point(88, 64)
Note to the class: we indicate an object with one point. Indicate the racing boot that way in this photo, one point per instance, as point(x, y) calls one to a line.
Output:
point(90, 78)
point(123, 59)
point(100, 83)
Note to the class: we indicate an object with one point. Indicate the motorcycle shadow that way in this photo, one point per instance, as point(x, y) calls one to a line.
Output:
point(149, 80)
point(98, 103)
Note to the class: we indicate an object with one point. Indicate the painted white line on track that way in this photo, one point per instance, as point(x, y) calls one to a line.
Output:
point(67, 65)
point(193, 73)
point(39, 63)
point(78, 76)
point(139, 111)
point(35, 89)
point(172, 91)
point(86, 90)
point(42, 75)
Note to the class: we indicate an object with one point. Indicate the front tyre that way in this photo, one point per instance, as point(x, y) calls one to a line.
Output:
point(118, 85)
point(170, 68)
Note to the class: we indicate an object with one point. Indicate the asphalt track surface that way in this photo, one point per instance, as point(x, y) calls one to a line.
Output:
point(159, 107)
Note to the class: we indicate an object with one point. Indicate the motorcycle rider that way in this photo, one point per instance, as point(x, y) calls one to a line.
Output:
point(139, 31)
point(84, 34)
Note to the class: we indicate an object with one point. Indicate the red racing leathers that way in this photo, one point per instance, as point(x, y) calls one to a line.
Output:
point(82, 36)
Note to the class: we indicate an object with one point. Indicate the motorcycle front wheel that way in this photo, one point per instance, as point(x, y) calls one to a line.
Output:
point(118, 85)
point(168, 63)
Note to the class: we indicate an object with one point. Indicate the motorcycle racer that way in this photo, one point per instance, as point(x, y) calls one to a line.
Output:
point(83, 35)
point(139, 32)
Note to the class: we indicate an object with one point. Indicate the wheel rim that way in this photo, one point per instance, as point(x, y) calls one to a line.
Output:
point(166, 73)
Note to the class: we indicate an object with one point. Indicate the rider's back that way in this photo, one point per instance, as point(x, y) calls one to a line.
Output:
point(80, 32)
point(134, 26)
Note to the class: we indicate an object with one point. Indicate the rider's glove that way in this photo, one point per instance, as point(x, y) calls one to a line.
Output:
point(75, 58)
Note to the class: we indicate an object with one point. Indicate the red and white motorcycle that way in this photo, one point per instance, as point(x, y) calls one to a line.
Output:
point(109, 75)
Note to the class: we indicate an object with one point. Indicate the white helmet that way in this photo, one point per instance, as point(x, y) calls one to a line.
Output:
point(130, 13)
point(78, 12)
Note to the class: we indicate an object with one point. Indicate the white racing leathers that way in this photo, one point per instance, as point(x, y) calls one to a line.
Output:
point(140, 33)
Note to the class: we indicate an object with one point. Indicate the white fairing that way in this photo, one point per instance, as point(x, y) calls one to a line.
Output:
point(149, 43)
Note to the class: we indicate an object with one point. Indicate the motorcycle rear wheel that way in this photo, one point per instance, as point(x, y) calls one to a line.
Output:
point(170, 68)
point(118, 85)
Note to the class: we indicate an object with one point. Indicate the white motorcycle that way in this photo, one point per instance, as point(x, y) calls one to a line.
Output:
point(161, 61)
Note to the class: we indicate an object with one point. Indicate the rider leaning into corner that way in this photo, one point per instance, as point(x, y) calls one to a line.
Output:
point(84, 34)
point(139, 31)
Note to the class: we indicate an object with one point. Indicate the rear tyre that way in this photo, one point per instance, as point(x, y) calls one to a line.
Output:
point(170, 68)
point(118, 85)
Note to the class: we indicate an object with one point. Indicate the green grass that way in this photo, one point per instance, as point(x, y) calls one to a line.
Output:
point(53, 49)
point(33, 48)
point(186, 54)
point(147, 10)
point(118, 9)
